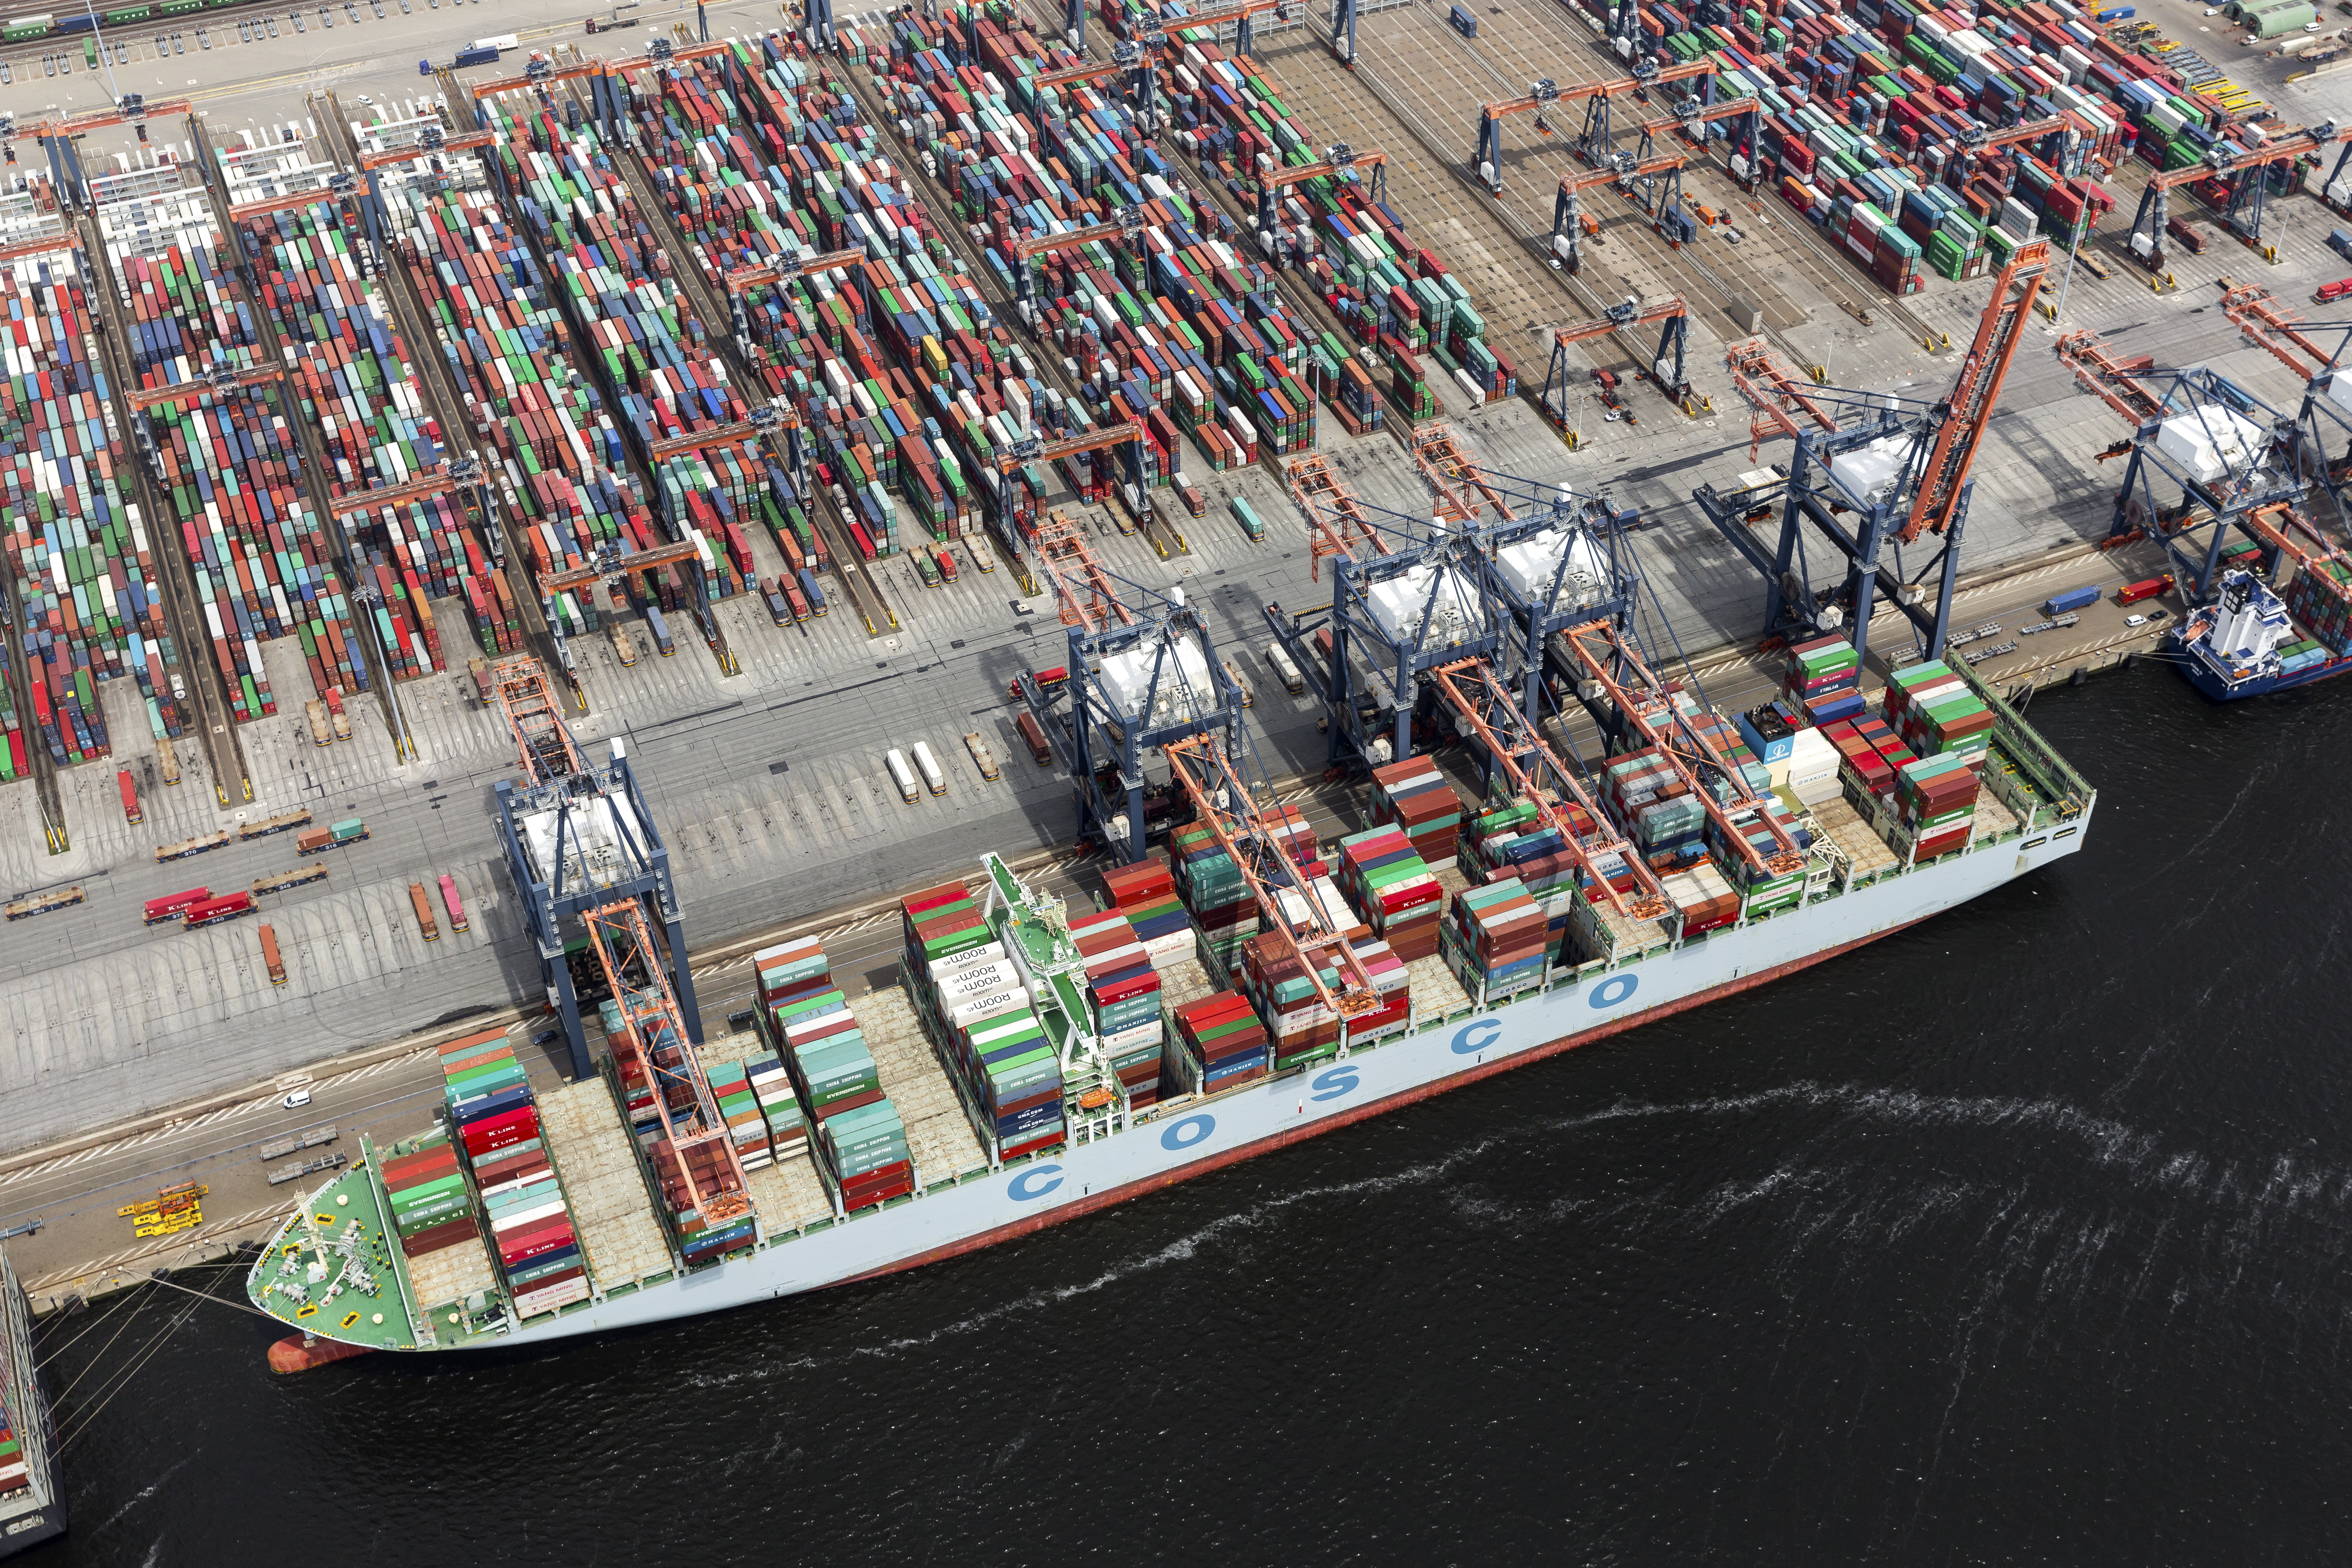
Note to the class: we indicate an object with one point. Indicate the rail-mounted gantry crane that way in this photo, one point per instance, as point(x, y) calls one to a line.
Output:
point(1667, 365)
point(1879, 471)
point(1567, 212)
point(1547, 98)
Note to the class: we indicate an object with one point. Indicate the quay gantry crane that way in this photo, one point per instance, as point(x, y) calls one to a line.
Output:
point(1139, 680)
point(1202, 767)
point(1542, 98)
point(2316, 352)
point(1667, 366)
point(1564, 563)
point(2244, 177)
point(1898, 467)
point(1455, 476)
point(1422, 605)
point(659, 1037)
point(580, 841)
point(1514, 747)
point(2211, 438)
point(1567, 217)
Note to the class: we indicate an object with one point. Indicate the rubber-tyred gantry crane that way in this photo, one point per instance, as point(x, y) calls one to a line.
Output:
point(2244, 176)
point(1543, 98)
point(741, 280)
point(58, 136)
point(1010, 461)
point(1340, 160)
point(1567, 215)
point(215, 384)
point(1666, 365)
point(1976, 142)
point(1126, 225)
point(1692, 118)
point(1898, 469)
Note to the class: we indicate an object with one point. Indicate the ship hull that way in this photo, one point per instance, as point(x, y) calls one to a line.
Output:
point(2201, 674)
point(1194, 1139)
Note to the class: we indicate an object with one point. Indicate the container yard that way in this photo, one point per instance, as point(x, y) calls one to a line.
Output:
point(564, 307)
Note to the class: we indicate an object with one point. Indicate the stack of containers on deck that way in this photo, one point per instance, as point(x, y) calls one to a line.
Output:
point(84, 575)
point(1414, 795)
point(1123, 1000)
point(973, 995)
point(779, 1106)
point(1146, 894)
point(1305, 1030)
point(859, 1136)
point(903, 374)
point(1935, 712)
point(1218, 1043)
point(1394, 891)
point(431, 1206)
point(738, 1107)
point(1648, 800)
point(1822, 681)
point(495, 1118)
point(1935, 799)
point(2320, 600)
point(1497, 939)
point(1212, 887)
point(1809, 773)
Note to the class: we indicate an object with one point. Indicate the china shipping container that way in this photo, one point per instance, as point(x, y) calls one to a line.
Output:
point(212, 911)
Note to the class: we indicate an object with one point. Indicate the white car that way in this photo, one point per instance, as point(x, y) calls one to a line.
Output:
point(296, 1101)
point(2134, 620)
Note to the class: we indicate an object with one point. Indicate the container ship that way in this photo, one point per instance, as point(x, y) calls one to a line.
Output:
point(31, 1508)
point(1239, 989)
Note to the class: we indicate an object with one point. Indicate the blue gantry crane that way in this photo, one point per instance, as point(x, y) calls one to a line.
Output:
point(580, 839)
point(1872, 473)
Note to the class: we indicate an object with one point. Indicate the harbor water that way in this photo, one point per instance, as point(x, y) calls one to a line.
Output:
point(2019, 1236)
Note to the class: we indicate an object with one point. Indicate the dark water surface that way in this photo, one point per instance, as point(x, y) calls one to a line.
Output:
point(2017, 1238)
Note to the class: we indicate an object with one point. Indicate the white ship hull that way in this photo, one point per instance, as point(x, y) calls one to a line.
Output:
point(1192, 1139)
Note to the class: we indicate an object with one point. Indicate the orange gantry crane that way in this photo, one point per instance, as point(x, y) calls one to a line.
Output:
point(1650, 713)
point(1126, 225)
point(1894, 471)
point(1339, 159)
point(1308, 934)
point(1666, 367)
point(1613, 869)
point(693, 1160)
point(534, 717)
point(1009, 461)
point(1454, 473)
point(1693, 116)
point(1337, 523)
point(1082, 590)
point(217, 383)
point(1542, 97)
point(1569, 224)
point(741, 280)
point(2243, 176)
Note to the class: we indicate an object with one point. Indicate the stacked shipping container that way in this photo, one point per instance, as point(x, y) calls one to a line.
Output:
point(972, 997)
point(495, 1118)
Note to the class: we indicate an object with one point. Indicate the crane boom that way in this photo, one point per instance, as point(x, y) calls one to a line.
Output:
point(535, 719)
point(633, 561)
point(1678, 743)
point(1962, 429)
point(231, 380)
point(1223, 799)
point(1482, 702)
point(745, 278)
